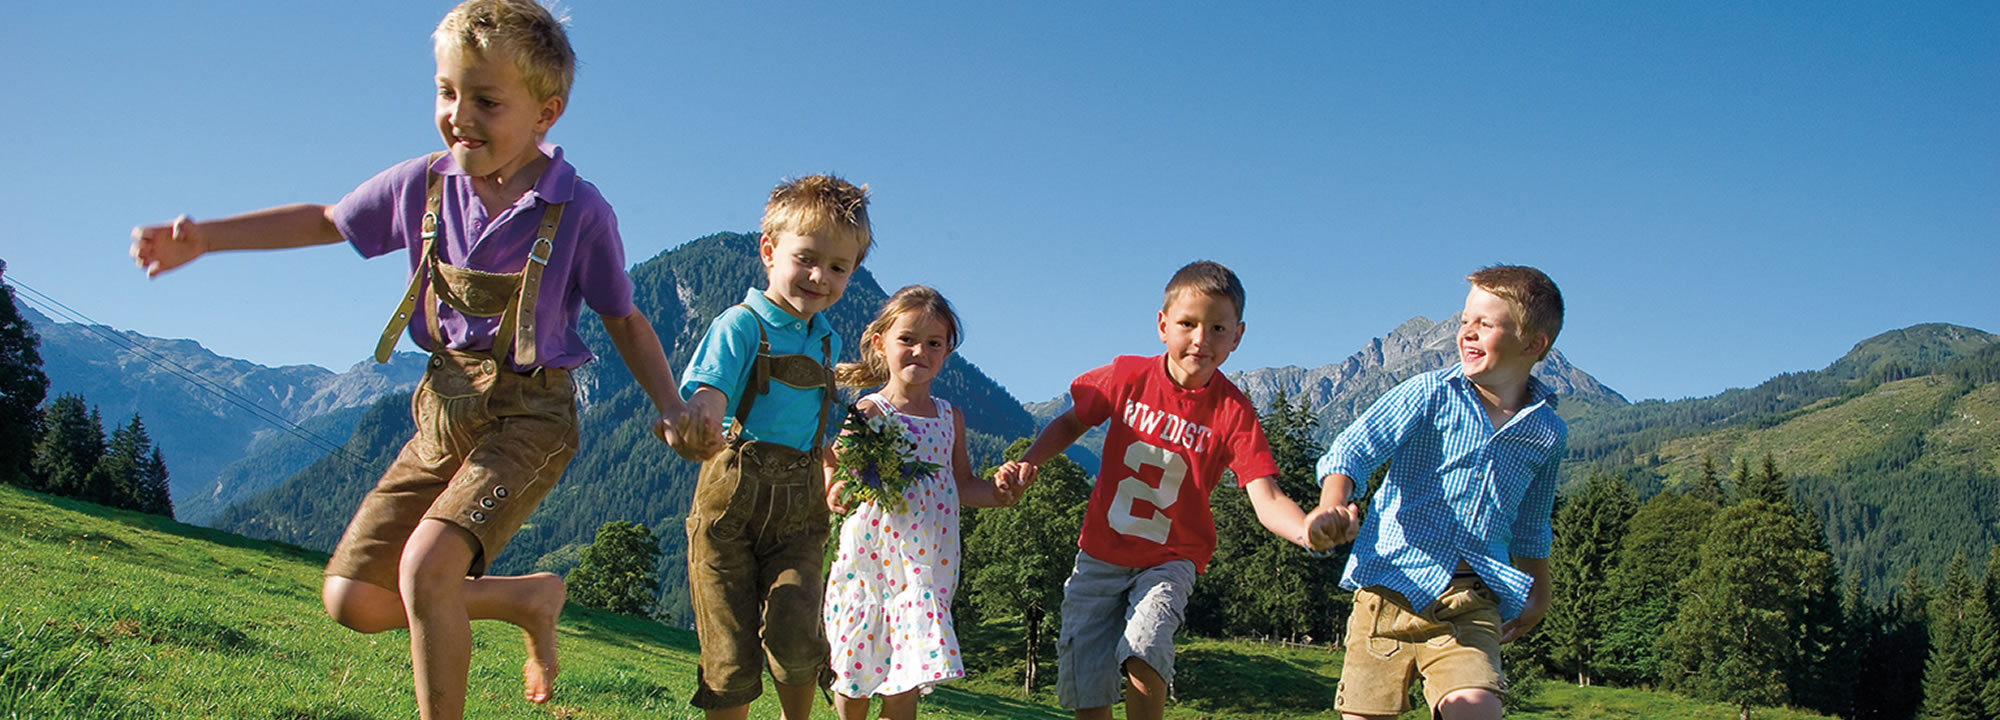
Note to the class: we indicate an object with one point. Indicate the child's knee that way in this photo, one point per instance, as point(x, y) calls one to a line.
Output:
point(361, 607)
point(1469, 704)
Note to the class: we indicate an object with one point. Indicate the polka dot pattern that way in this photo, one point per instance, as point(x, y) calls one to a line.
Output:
point(888, 594)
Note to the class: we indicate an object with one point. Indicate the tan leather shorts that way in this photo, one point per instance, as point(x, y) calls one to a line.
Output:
point(1454, 644)
point(756, 540)
point(489, 445)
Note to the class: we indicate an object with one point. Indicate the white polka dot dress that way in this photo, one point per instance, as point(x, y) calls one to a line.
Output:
point(889, 591)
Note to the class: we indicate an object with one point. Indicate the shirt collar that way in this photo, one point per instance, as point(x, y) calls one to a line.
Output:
point(556, 185)
point(1539, 393)
point(776, 317)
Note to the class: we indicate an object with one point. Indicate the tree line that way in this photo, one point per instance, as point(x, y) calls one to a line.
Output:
point(61, 449)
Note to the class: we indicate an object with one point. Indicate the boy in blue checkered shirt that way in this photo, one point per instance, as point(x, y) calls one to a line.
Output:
point(1452, 560)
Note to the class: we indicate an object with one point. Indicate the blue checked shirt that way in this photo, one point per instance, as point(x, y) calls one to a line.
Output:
point(1457, 489)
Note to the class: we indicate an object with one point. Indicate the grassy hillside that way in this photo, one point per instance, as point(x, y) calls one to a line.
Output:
point(108, 614)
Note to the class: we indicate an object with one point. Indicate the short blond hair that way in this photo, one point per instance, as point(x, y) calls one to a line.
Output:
point(1535, 300)
point(1208, 278)
point(873, 369)
point(522, 29)
point(819, 204)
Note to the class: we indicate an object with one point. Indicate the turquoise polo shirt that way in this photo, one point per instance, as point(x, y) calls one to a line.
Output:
point(786, 415)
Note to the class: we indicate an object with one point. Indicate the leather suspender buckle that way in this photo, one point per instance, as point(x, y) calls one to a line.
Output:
point(540, 254)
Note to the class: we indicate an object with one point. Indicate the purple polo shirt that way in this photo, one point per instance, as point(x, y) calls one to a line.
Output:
point(385, 214)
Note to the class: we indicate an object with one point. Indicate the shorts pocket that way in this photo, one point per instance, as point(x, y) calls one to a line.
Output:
point(721, 503)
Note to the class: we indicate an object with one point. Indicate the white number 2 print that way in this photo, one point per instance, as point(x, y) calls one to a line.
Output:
point(1173, 470)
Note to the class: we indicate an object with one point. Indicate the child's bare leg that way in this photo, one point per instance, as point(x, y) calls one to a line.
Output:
point(1145, 691)
point(532, 603)
point(796, 701)
point(900, 706)
point(740, 712)
point(850, 708)
point(432, 575)
point(1472, 704)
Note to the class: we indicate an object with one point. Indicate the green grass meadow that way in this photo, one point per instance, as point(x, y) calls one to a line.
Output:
point(108, 614)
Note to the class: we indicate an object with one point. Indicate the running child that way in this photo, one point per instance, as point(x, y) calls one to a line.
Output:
point(889, 592)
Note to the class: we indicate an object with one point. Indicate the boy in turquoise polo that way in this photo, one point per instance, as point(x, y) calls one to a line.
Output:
point(757, 526)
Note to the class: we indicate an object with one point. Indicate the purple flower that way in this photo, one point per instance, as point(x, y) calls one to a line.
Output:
point(872, 476)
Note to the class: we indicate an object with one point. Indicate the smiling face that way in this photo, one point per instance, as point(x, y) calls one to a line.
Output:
point(808, 273)
point(1490, 342)
point(487, 116)
point(915, 347)
point(1200, 331)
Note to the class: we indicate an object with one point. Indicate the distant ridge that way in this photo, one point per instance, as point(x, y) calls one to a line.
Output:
point(198, 431)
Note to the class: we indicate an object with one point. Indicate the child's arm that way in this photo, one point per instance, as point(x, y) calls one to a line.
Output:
point(640, 347)
point(1538, 599)
point(1339, 519)
point(977, 491)
point(1014, 478)
point(831, 462)
point(159, 248)
point(1283, 517)
point(701, 437)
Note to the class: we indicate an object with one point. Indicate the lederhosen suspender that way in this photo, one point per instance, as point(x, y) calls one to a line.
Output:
point(799, 371)
point(471, 291)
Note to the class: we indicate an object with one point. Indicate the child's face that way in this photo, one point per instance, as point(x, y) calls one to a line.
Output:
point(1200, 331)
point(916, 347)
point(488, 117)
point(1490, 343)
point(808, 272)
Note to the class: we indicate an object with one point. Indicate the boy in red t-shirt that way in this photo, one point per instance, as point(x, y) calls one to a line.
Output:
point(1177, 423)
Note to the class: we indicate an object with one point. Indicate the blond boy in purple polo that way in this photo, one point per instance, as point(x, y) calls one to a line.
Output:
point(505, 245)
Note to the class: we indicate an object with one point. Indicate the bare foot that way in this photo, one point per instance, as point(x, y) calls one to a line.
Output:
point(539, 672)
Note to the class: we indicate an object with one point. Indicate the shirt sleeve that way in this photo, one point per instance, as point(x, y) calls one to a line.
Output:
point(600, 262)
point(722, 357)
point(1090, 395)
point(1532, 533)
point(1374, 437)
point(1250, 452)
point(367, 216)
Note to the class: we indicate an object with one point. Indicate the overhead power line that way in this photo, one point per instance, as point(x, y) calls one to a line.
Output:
point(55, 308)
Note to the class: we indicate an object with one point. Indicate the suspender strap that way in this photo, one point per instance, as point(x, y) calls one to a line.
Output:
point(825, 395)
point(758, 382)
point(517, 325)
point(419, 278)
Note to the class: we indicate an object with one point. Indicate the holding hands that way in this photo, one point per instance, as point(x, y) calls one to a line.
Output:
point(1330, 525)
point(693, 435)
point(1012, 480)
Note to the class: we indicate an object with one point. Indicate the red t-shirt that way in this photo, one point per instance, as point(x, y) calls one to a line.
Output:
point(1164, 452)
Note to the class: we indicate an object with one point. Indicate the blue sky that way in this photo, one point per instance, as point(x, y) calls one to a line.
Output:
point(1724, 191)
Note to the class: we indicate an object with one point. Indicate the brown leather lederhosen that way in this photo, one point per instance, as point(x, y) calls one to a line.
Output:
point(490, 442)
point(756, 537)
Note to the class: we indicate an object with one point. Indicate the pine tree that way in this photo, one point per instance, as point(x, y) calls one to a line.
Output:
point(1823, 678)
point(620, 570)
point(23, 386)
point(1986, 638)
point(155, 488)
point(1708, 484)
point(1767, 485)
point(1588, 534)
point(1733, 636)
point(119, 478)
point(1018, 558)
point(1659, 550)
point(1950, 690)
point(71, 446)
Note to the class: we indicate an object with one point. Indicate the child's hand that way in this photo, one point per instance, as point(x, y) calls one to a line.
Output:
point(693, 437)
point(159, 248)
point(1332, 525)
point(1012, 479)
point(833, 498)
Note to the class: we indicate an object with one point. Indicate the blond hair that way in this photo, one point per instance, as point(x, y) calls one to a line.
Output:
point(1535, 300)
point(522, 29)
point(818, 204)
point(873, 370)
point(1208, 278)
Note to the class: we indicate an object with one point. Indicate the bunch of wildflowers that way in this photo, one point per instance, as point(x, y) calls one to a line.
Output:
point(877, 461)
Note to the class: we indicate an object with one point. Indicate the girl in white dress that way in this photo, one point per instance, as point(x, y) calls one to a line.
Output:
point(889, 590)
